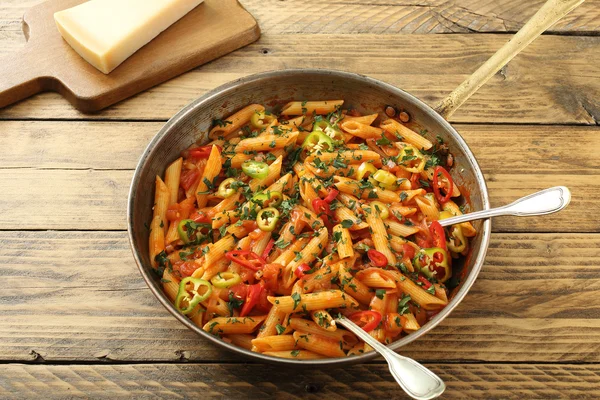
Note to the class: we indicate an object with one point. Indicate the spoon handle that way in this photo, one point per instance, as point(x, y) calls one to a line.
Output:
point(547, 201)
point(416, 380)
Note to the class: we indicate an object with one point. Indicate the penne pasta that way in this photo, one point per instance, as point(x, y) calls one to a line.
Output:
point(235, 121)
point(313, 301)
point(310, 107)
point(408, 135)
point(291, 219)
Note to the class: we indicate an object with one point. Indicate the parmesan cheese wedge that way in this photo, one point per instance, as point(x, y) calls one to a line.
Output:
point(106, 32)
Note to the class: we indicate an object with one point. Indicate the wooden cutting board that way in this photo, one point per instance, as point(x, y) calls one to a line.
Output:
point(48, 63)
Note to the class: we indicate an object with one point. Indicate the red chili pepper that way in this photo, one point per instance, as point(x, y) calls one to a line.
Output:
point(408, 250)
point(377, 258)
point(203, 152)
point(188, 178)
point(331, 195)
point(252, 298)
point(246, 259)
point(425, 282)
point(367, 320)
point(436, 184)
point(414, 181)
point(268, 249)
point(438, 235)
point(322, 209)
point(301, 270)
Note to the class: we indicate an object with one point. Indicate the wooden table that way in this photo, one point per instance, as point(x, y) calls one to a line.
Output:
point(76, 319)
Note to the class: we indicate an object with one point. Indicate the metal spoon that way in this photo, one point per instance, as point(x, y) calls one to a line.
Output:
point(547, 201)
point(416, 380)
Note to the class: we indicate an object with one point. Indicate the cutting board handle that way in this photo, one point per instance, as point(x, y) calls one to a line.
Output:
point(21, 76)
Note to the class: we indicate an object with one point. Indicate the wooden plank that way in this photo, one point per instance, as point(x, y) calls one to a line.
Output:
point(384, 17)
point(542, 149)
point(255, 381)
point(74, 144)
point(96, 199)
point(78, 296)
point(548, 83)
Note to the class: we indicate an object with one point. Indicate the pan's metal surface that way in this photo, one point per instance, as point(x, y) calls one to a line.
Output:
point(272, 88)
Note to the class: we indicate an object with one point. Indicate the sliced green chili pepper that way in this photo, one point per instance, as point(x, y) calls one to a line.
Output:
point(187, 299)
point(255, 169)
point(329, 130)
point(261, 120)
point(189, 230)
point(267, 219)
point(433, 263)
point(317, 141)
point(225, 189)
point(224, 280)
point(268, 199)
point(456, 240)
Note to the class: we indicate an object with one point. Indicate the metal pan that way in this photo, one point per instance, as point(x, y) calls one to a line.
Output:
point(365, 94)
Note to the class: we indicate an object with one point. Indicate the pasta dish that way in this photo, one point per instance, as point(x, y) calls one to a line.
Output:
point(285, 220)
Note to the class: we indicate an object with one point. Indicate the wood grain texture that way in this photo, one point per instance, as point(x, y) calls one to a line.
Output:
point(547, 83)
point(383, 16)
point(96, 199)
point(78, 296)
point(463, 381)
point(47, 62)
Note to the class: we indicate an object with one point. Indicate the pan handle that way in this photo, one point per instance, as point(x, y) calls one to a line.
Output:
point(550, 13)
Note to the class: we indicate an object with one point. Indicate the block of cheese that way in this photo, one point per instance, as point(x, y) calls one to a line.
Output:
point(106, 32)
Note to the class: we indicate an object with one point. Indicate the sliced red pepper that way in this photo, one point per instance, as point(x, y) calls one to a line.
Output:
point(367, 320)
point(408, 251)
point(268, 249)
point(188, 178)
point(301, 270)
point(252, 298)
point(377, 258)
point(203, 151)
point(414, 181)
point(425, 282)
point(331, 196)
point(246, 259)
point(438, 235)
point(323, 211)
point(436, 184)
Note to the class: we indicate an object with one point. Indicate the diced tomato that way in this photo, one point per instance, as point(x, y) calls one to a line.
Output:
point(188, 178)
point(270, 274)
point(239, 291)
point(187, 268)
point(409, 251)
point(203, 151)
point(200, 217)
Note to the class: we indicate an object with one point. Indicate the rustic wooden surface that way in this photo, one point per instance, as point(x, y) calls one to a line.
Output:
point(47, 61)
point(76, 319)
